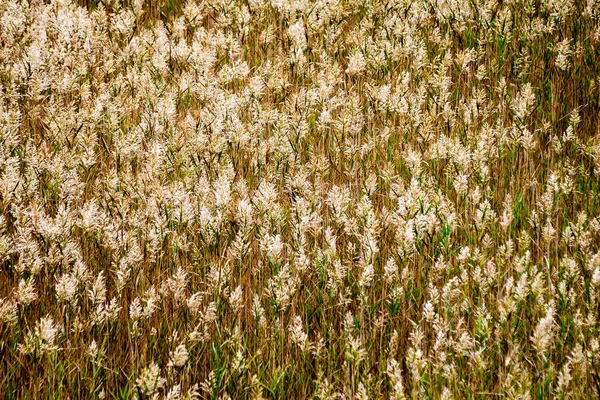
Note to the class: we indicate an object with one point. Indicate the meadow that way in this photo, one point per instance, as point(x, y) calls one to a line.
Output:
point(290, 199)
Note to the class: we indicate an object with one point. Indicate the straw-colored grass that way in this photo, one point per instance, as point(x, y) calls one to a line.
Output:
point(299, 199)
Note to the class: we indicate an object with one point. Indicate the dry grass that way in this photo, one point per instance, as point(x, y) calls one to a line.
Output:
point(292, 199)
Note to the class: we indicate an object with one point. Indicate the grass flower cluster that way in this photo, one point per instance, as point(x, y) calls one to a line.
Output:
point(332, 199)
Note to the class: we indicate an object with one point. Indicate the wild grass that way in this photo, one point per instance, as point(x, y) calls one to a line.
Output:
point(293, 199)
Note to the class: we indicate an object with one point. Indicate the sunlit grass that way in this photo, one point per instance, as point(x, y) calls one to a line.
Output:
point(299, 199)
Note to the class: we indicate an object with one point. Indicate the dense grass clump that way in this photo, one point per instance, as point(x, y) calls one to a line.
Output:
point(299, 199)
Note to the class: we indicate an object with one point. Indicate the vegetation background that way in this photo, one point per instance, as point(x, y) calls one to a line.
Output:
point(299, 199)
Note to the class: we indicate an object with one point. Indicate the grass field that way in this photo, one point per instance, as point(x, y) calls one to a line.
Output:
point(332, 199)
